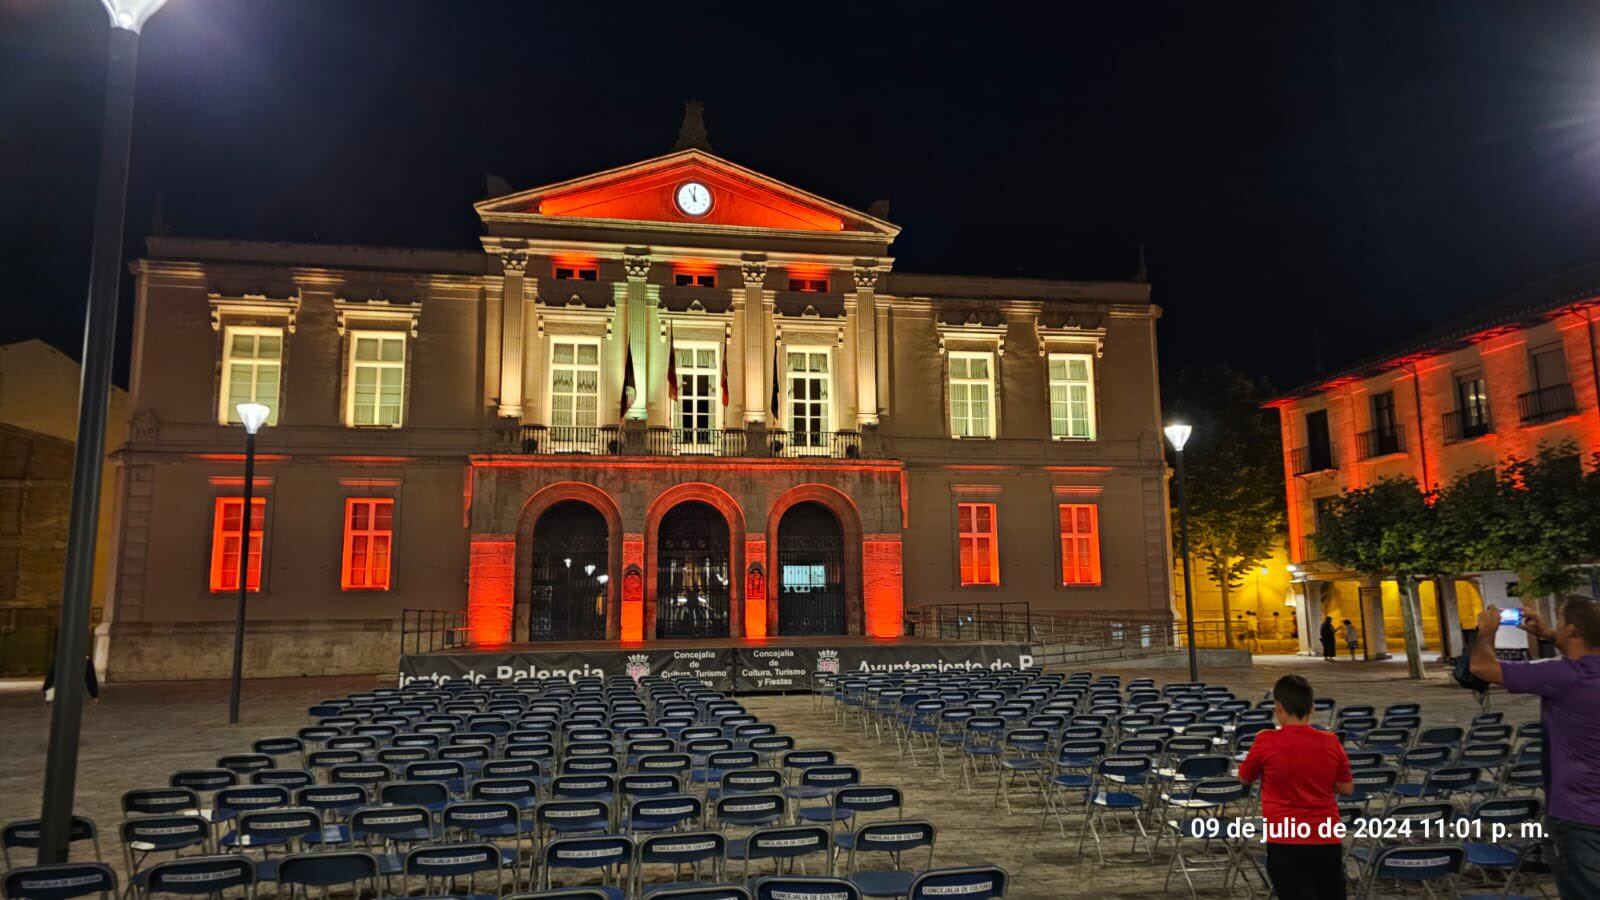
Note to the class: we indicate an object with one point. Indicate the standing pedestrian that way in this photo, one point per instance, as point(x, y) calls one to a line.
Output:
point(1352, 640)
point(1568, 686)
point(1301, 770)
point(1330, 645)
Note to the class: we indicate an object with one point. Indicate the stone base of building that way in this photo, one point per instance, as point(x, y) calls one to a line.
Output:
point(184, 651)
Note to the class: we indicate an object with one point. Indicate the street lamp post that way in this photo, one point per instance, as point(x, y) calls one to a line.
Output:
point(253, 416)
point(94, 392)
point(1178, 435)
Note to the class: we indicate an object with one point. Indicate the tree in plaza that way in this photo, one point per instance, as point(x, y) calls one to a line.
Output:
point(1547, 520)
point(1392, 529)
point(1235, 474)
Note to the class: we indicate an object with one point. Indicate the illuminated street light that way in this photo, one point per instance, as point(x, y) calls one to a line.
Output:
point(252, 416)
point(94, 397)
point(1178, 435)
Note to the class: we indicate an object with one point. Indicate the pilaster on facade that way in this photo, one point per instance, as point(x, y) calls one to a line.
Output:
point(757, 312)
point(865, 276)
point(636, 264)
point(514, 266)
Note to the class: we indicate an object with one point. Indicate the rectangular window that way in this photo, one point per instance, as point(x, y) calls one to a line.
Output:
point(1383, 418)
point(810, 398)
point(574, 386)
point(1547, 367)
point(971, 395)
point(1319, 445)
point(368, 538)
point(688, 279)
point(252, 362)
point(1080, 544)
point(225, 542)
point(809, 285)
point(1472, 399)
point(698, 405)
point(577, 273)
point(377, 378)
point(1071, 396)
point(980, 549)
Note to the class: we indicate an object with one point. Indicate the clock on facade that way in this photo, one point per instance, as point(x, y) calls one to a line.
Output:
point(694, 198)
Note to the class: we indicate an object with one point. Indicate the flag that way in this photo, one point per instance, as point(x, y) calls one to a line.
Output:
point(672, 363)
point(629, 391)
point(724, 374)
point(776, 377)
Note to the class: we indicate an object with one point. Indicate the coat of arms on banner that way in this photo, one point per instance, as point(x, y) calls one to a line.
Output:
point(828, 661)
point(638, 666)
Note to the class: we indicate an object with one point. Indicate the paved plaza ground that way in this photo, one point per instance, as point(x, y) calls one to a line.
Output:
point(139, 733)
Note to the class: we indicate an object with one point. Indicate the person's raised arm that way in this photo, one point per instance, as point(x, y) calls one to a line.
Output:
point(1483, 662)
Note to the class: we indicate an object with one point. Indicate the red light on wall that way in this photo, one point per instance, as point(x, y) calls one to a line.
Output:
point(225, 533)
point(755, 588)
point(368, 537)
point(883, 580)
point(632, 619)
point(491, 589)
point(1080, 544)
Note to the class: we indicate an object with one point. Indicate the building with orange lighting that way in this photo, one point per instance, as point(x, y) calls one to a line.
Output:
point(1513, 377)
point(674, 399)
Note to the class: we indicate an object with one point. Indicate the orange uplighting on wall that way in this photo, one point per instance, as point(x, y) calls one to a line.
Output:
point(979, 544)
point(491, 588)
point(883, 583)
point(368, 537)
point(755, 589)
point(648, 196)
point(1080, 544)
point(225, 542)
point(632, 618)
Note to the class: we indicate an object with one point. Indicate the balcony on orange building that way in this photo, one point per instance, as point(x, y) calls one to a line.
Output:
point(1547, 404)
point(611, 440)
point(1381, 442)
point(1311, 459)
point(1466, 424)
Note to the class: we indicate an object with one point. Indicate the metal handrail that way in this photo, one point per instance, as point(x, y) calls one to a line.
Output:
point(432, 630)
point(1382, 441)
point(1547, 403)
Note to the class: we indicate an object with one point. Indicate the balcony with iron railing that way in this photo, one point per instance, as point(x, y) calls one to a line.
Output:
point(1466, 424)
point(610, 440)
point(1381, 442)
point(1310, 460)
point(1547, 404)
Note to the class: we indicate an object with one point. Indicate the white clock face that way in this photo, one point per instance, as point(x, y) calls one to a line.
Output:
point(694, 198)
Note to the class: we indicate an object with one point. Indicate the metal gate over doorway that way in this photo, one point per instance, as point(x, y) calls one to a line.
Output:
point(571, 568)
point(810, 571)
point(692, 573)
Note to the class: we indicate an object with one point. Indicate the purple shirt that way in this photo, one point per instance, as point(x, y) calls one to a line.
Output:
point(1570, 709)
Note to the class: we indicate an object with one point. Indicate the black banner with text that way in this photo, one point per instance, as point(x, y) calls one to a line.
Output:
point(737, 669)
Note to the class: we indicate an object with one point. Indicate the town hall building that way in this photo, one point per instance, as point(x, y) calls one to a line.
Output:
point(676, 399)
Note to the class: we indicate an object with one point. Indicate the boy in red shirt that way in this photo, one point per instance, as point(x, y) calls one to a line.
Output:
point(1301, 769)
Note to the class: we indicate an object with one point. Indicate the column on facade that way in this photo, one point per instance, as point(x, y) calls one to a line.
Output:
point(754, 325)
point(866, 343)
point(514, 265)
point(1444, 589)
point(636, 265)
point(1308, 614)
point(1371, 594)
point(533, 386)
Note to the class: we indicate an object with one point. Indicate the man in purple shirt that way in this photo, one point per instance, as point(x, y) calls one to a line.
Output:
point(1569, 690)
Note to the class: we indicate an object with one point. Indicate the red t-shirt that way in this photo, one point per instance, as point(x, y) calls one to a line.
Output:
point(1298, 767)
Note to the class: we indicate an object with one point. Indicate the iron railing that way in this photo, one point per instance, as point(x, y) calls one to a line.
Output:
point(1381, 441)
point(609, 440)
point(998, 621)
point(1466, 424)
point(1547, 404)
point(1062, 639)
point(432, 630)
point(1306, 460)
point(28, 638)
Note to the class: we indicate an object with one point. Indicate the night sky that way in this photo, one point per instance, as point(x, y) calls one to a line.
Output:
point(1310, 181)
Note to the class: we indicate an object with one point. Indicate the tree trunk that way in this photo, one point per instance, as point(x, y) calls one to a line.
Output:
point(1410, 609)
point(1227, 610)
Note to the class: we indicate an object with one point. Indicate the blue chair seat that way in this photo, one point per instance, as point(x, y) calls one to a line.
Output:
point(331, 834)
point(981, 750)
point(1022, 764)
point(823, 814)
point(884, 884)
point(736, 847)
point(1072, 780)
point(805, 793)
point(920, 727)
point(1490, 856)
point(947, 738)
point(1408, 790)
point(1031, 746)
point(651, 823)
point(1116, 800)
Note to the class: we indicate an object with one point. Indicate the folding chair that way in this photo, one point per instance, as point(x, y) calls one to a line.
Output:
point(1428, 867)
point(271, 829)
point(494, 822)
point(210, 876)
point(561, 818)
point(751, 811)
point(967, 882)
point(61, 882)
point(1071, 772)
point(228, 803)
point(160, 801)
point(389, 829)
point(1023, 755)
point(326, 870)
point(148, 835)
point(1110, 794)
point(895, 839)
point(790, 844)
point(291, 779)
point(432, 795)
point(444, 865)
point(1507, 815)
point(24, 834)
point(803, 887)
point(244, 763)
point(664, 813)
point(1201, 816)
point(611, 854)
point(746, 781)
point(851, 803)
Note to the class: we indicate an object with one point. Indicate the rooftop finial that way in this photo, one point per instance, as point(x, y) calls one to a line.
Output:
point(1141, 274)
point(692, 133)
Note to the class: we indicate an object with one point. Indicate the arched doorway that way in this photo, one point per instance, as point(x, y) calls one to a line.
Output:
point(571, 567)
point(692, 572)
point(811, 589)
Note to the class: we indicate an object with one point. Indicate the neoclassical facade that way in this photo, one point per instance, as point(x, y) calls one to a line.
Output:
point(677, 399)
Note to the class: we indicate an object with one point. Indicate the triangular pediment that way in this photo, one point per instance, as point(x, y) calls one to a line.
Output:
point(646, 192)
